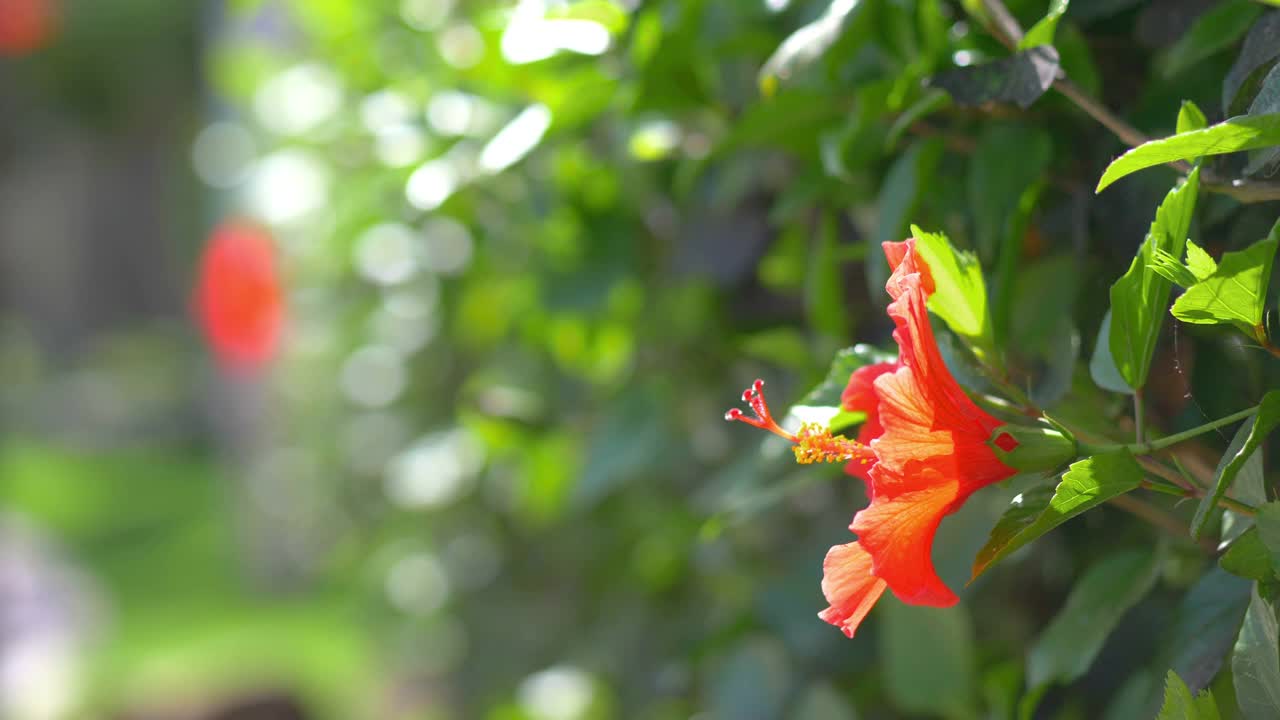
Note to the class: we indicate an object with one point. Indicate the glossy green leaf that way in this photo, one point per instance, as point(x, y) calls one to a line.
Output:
point(1236, 291)
point(1086, 484)
point(960, 292)
point(1042, 33)
point(1102, 367)
point(1246, 441)
point(1191, 117)
point(1255, 666)
point(1139, 299)
point(1232, 135)
point(1180, 704)
point(1213, 31)
point(1066, 649)
point(1020, 79)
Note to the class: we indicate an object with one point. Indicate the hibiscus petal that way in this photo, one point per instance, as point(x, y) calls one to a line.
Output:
point(898, 528)
point(850, 588)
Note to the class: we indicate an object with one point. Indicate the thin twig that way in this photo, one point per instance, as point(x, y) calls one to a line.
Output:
point(1151, 514)
point(1005, 28)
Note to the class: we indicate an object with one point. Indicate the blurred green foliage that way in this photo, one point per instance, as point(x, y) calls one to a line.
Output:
point(534, 249)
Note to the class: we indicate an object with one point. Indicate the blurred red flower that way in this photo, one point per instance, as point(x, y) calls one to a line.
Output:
point(238, 297)
point(922, 450)
point(26, 25)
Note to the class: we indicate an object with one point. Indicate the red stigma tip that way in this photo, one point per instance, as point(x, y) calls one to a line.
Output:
point(754, 397)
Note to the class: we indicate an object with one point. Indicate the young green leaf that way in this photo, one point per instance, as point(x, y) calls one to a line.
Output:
point(1066, 649)
point(1191, 117)
point(1199, 262)
point(1139, 298)
point(1246, 441)
point(1042, 33)
point(1255, 665)
point(1235, 292)
point(1087, 484)
point(960, 294)
point(1232, 135)
point(1168, 267)
point(1179, 704)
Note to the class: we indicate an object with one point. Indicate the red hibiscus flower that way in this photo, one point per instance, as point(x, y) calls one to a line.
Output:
point(26, 25)
point(922, 450)
point(238, 297)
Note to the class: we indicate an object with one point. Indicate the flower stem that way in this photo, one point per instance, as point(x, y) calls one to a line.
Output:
point(1149, 447)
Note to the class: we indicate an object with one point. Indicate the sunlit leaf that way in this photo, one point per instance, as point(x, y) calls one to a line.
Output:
point(1139, 298)
point(1086, 484)
point(960, 294)
point(1191, 117)
point(1042, 33)
point(1179, 704)
point(1233, 135)
point(806, 45)
point(1235, 292)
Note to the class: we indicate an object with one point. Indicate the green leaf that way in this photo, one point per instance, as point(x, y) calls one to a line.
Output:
point(960, 293)
point(1207, 622)
point(1246, 441)
point(1102, 367)
point(1199, 262)
point(1191, 117)
point(1066, 649)
point(1168, 267)
point(1263, 163)
point(1139, 299)
point(1235, 292)
point(1025, 508)
point(1267, 523)
point(1042, 33)
point(1249, 558)
point(1021, 79)
point(806, 45)
point(1180, 705)
point(1255, 666)
point(928, 654)
point(1257, 55)
point(1216, 29)
point(1232, 135)
point(822, 403)
point(1086, 484)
